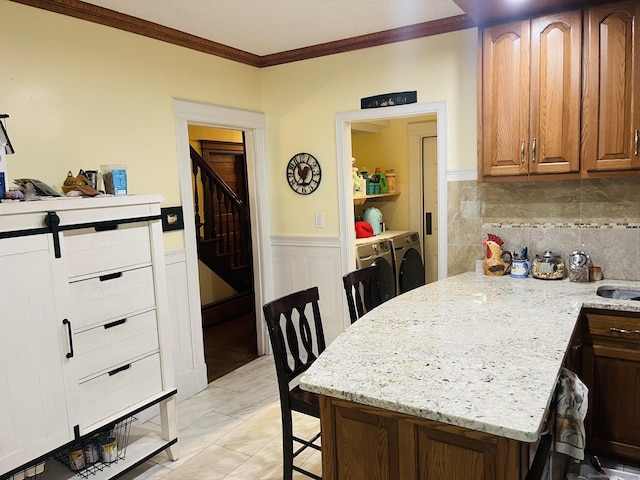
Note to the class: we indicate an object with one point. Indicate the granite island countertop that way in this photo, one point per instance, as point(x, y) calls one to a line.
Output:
point(471, 350)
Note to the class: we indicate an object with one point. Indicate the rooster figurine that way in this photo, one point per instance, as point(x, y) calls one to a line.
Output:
point(496, 262)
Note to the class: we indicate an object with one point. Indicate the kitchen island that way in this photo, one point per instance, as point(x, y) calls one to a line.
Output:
point(452, 377)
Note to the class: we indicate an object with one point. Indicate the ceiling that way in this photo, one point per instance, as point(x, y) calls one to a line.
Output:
point(264, 33)
point(264, 27)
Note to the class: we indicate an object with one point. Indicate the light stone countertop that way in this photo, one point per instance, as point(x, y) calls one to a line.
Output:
point(471, 350)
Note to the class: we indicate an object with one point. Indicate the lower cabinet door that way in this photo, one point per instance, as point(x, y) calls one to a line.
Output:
point(362, 443)
point(33, 410)
point(612, 374)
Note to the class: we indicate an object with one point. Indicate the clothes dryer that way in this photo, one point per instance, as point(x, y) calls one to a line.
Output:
point(379, 252)
point(409, 267)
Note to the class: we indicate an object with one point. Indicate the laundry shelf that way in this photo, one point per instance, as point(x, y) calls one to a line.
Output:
point(381, 196)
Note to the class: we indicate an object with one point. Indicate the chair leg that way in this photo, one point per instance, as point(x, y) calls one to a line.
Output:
point(287, 446)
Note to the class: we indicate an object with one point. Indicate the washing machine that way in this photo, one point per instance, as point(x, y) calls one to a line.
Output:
point(409, 267)
point(379, 252)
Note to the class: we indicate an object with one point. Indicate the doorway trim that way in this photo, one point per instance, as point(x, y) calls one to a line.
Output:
point(345, 192)
point(253, 124)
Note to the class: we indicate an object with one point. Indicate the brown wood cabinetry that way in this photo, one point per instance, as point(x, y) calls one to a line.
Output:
point(555, 105)
point(530, 97)
point(367, 443)
point(611, 371)
point(611, 115)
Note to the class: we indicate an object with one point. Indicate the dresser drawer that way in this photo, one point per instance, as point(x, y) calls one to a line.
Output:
point(111, 297)
point(87, 251)
point(115, 391)
point(100, 348)
point(613, 326)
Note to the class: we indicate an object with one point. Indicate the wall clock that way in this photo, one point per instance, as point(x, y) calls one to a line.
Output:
point(303, 173)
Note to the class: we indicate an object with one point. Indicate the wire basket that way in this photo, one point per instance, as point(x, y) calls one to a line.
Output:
point(95, 452)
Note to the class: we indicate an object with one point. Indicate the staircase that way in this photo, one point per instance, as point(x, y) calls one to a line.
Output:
point(223, 227)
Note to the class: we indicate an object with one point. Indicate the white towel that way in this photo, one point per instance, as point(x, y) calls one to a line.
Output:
point(572, 399)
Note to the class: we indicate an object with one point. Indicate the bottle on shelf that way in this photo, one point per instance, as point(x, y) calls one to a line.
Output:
point(382, 179)
point(391, 180)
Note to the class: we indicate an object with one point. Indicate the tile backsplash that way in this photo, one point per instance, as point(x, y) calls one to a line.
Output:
point(599, 216)
point(613, 247)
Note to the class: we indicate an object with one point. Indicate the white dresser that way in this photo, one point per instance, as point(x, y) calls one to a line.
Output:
point(83, 327)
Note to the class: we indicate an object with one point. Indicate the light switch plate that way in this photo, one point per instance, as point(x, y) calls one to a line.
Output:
point(320, 220)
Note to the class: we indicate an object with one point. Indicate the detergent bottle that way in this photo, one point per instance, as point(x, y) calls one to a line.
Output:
point(356, 180)
point(391, 180)
point(384, 185)
point(373, 184)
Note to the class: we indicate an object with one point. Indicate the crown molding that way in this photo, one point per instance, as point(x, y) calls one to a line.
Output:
point(128, 23)
point(410, 32)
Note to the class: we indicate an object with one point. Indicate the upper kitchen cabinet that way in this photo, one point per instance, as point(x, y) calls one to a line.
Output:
point(611, 115)
point(529, 98)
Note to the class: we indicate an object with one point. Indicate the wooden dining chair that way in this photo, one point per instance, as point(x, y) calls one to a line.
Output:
point(363, 291)
point(297, 338)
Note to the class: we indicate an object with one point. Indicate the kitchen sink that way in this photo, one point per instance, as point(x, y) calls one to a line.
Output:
point(618, 293)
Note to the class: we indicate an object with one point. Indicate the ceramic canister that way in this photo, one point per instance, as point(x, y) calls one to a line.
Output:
point(520, 268)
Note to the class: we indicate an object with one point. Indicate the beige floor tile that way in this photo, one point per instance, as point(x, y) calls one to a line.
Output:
point(213, 463)
point(243, 380)
point(198, 436)
point(255, 432)
point(254, 399)
point(232, 431)
point(265, 464)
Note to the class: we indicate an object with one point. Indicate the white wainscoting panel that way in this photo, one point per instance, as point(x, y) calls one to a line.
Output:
point(188, 353)
point(305, 262)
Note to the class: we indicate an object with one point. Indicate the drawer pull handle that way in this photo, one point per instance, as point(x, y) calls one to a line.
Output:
point(68, 324)
point(533, 150)
point(111, 276)
point(623, 331)
point(106, 227)
point(120, 369)
point(115, 324)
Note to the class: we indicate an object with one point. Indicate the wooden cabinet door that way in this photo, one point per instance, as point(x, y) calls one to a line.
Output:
point(367, 443)
point(612, 91)
point(555, 82)
point(611, 371)
point(505, 99)
point(33, 409)
point(612, 374)
point(433, 450)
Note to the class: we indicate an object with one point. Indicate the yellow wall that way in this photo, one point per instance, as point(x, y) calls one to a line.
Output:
point(388, 149)
point(198, 132)
point(301, 99)
point(81, 95)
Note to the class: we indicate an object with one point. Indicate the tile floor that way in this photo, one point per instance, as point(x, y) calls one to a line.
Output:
point(232, 431)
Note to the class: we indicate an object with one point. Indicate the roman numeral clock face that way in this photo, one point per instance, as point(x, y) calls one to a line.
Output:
point(303, 173)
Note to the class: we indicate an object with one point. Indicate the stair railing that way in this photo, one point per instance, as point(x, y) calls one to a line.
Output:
point(222, 220)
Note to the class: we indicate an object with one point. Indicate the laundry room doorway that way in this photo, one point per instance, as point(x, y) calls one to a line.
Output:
point(410, 205)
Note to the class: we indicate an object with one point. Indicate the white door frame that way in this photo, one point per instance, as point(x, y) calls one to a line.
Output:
point(345, 192)
point(253, 125)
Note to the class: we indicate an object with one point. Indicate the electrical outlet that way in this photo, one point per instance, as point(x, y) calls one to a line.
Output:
point(320, 220)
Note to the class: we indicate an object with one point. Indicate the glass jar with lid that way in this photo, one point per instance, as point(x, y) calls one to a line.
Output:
point(549, 266)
